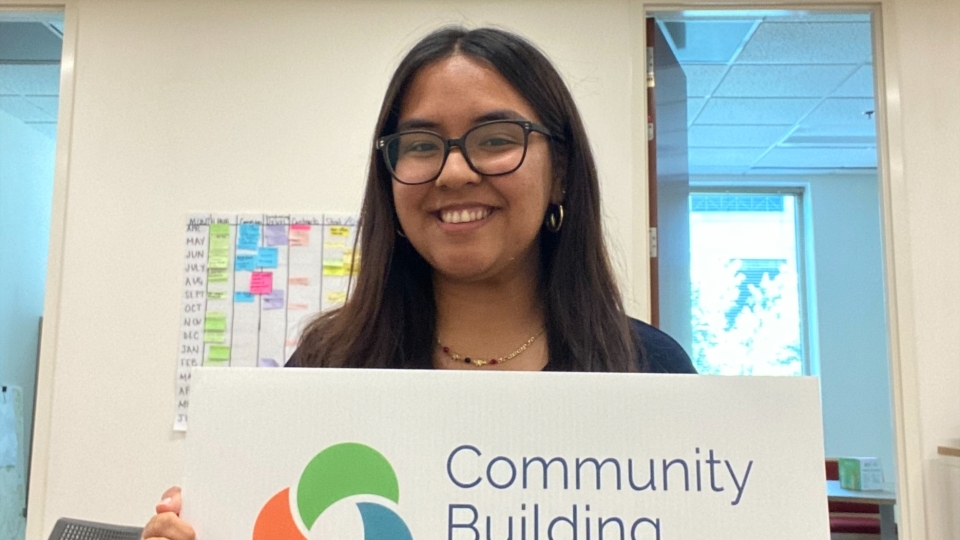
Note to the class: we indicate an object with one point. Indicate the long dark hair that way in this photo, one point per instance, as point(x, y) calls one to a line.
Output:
point(389, 320)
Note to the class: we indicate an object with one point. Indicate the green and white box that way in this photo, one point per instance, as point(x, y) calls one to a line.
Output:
point(861, 473)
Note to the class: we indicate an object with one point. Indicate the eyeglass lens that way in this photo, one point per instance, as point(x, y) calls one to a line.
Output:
point(492, 149)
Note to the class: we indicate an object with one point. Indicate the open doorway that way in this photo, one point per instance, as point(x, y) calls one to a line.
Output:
point(782, 216)
point(30, 51)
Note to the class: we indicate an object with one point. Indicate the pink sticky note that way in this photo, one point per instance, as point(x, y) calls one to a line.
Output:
point(261, 282)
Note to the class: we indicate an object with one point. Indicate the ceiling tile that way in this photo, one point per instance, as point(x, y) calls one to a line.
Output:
point(707, 169)
point(765, 111)
point(30, 41)
point(47, 128)
point(702, 79)
point(33, 79)
point(694, 106)
point(832, 158)
point(808, 43)
point(707, 41)
point(859, 85)
point(49, 104)
point(806, 16)
point(725, 157)
point(735, 136)
point(841, 114)
point(22, 109)
point(782, 80)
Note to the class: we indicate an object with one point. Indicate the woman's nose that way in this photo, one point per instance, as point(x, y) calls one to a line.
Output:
point(456, 171)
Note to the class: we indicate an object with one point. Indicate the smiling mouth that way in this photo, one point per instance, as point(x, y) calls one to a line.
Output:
point(464, 216)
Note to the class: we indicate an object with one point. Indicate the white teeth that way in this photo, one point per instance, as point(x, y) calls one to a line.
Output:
point(463, 216)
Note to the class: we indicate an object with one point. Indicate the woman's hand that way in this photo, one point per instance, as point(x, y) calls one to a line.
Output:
point(167, 525)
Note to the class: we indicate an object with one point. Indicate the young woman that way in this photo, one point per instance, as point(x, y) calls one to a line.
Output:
point(481, 232)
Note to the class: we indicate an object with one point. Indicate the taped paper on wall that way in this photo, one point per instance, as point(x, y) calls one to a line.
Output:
point(252, 283)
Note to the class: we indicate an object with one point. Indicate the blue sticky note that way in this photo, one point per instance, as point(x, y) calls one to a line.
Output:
point(249, 237)
point(246, 263)
point(243, 297)
point(267, 257)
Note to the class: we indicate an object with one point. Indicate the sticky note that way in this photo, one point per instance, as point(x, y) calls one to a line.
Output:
point(261, 282)
point(218, 262)
point(275, 235)
point(300, 235)
point(267, 362)
point(340, 231)
point(213, 337)
point(267, 257)
point(302, 281)
point(351, 262)
point(219, 352)
point(249, 237)
point(216, 295)
point(241, 297)
point(334, 268)
point(217, 275)
point(274, 300)
point(219, 236)
point(297, 307)
point(245, 263)
point(336, 297)
point(216, 323)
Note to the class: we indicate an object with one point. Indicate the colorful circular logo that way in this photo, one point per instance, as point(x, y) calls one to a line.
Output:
point(349, 472)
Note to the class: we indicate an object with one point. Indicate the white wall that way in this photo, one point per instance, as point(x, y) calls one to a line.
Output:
point(927, 41)
point(850, 337)
point(267, 106)
point(26, 191)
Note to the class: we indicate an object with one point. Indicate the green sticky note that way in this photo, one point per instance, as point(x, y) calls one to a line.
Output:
point(215, 324)
point(219, 352)
point(218, 262)
point(216, 295)
point(220, 236)
point(217, 275)
point(213, 337)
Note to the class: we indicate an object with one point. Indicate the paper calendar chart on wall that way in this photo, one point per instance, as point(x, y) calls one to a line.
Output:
point(251, 285)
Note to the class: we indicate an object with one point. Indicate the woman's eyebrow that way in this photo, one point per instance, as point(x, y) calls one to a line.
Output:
point(499, 114)
point(416, 123)
point(422, 123)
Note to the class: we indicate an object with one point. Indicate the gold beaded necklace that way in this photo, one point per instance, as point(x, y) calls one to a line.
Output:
point(480, 362)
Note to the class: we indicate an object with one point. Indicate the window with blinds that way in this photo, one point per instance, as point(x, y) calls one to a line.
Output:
point(746, 274)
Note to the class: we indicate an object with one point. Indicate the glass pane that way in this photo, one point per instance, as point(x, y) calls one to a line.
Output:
point(744, 271)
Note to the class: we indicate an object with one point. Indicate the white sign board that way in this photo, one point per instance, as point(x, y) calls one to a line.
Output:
point(433, 455)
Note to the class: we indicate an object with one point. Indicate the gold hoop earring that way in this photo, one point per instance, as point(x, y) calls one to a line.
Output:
point(554, 220)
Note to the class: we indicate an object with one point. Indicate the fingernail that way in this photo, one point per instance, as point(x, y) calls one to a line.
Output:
point(166, 501)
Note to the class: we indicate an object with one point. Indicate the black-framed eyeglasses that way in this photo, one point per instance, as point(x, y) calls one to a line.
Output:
point(491, 149)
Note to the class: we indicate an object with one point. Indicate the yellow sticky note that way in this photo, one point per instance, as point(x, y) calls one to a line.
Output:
point(335, 297)
point(219, 352)
point(351, 262)
point(333, 268)
point(340, 231)
point(213, 337)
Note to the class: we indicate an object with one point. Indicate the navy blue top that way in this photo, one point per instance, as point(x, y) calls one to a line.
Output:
point(663, 354)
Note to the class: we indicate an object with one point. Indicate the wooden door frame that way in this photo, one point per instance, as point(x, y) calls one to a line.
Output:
point(894, 216)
